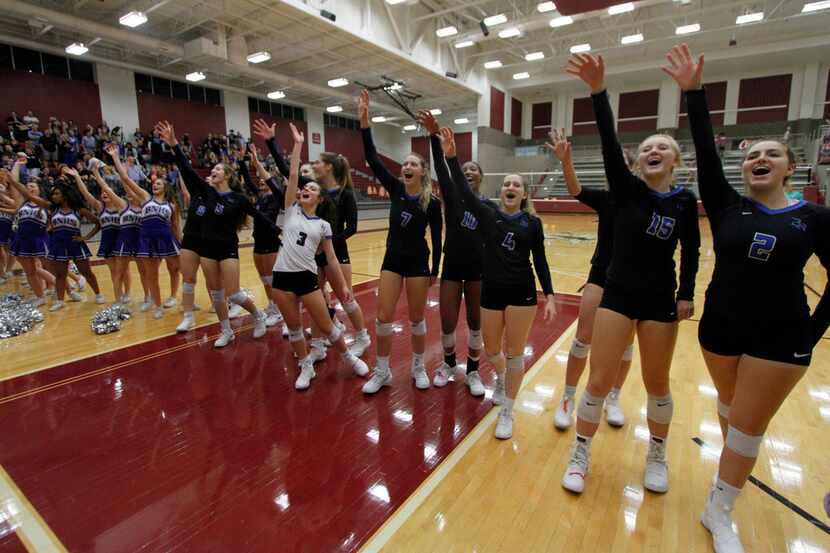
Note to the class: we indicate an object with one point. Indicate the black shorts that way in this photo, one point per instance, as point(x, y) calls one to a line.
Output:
point(191, 242)
point(654, 306)
point(758, 336)
point(406, 266)
point(264, 246)
point(218, 250)
point(340, 252)
point(298, 283)
point(461, 270)
point(498, 296)
point(597, 275)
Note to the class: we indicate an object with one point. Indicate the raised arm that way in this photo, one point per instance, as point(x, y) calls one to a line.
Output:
point(540, 263)
point(389, 181)
point(89, 216)
point(23, 191)
point(294, 170)
point(269, 134)
point(129, 184)
point(90, 200)
point(459, 181)
point(446, 188)
point(561, 148)
point(194, 184)
point(715, 191)
point(246, 177)
point(436, 223)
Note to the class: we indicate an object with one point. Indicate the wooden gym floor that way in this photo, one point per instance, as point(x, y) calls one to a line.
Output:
point(146, 440)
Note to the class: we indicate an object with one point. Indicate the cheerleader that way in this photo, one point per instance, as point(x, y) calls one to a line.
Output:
point(641, 291)
point(406, 261)
point(127, 243)
point(756, 333)
point(601, 202)
point(512, 235)
point(224, 208)
point(109, 209)
point(295, 271)
point(156, 238)
point(6, 218)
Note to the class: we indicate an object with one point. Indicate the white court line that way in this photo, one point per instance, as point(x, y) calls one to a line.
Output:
point(30, 527)
point(399, 517)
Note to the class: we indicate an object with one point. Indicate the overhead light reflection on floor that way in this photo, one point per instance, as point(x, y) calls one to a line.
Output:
point(801, 546)
point(380, 492)
point(707, 390)
point(373, 435)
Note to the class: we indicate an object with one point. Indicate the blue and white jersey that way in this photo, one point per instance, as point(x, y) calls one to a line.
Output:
point(130, 218)
point(156, 213)
point(66, 223)
point(31, 218)
point(109, 219)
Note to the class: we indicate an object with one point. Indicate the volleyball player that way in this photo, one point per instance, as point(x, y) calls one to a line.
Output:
point(406, 261)
point(218, 246)
point(756, 332)
point(463, 265)
point(600, 201)
point(156, 238)
point(512, 235)
point(189, 256)
point(295, 272)
point(641, 291)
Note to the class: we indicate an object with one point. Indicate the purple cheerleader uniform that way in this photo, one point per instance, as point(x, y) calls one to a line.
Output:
point(156, 237)
point(30, 239)
point(5, 228)
point(66, 226)
point(110, 226)
point(126, 244)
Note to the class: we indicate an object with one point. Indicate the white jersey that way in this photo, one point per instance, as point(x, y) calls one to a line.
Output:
point(301, 238)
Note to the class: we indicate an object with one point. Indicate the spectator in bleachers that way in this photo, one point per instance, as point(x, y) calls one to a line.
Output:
point(134, 171)
point(721, 141)
point(30, 119)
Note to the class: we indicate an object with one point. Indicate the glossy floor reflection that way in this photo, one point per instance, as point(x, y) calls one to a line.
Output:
point(174, 446)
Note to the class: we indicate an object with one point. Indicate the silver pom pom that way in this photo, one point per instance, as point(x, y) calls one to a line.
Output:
point(109, 319)
point(17, 316)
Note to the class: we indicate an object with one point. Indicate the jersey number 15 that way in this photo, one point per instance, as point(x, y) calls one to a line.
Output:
point(660, 226)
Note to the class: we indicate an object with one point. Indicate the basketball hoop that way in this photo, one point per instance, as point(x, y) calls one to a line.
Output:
point(397, 92)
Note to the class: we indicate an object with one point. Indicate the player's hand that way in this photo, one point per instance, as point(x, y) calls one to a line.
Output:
point(345, 295)
point(363, 109)
point(559, 145)
point(448, 142)
point(298, 135)
point(590, 69)
point(685, 309)
point(166, 132)
point(262, 130)
point(683, 68)
point(550, 307)
point(428, 121)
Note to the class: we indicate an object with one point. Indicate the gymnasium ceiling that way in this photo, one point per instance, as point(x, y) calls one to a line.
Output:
point(307, 51)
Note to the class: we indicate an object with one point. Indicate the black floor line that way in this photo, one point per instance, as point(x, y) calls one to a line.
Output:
point(811, 289)
point(781, 499)
point(581, 288)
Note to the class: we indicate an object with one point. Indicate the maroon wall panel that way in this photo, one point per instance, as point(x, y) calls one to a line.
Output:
point(197, 120)
point(642, 103)
point(420, 145)
point(284, 137)
point(761, 92)
point(541, 117)
point(583, 111)
point(78, 101)
point(571, 7)
point(716, 98)
point(496, 109)
point(348, 143)
point(464, 146)
point(515, 117)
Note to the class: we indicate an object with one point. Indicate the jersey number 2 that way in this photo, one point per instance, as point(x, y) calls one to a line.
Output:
point(762, 246)
point(660, 226)
point(301, 239)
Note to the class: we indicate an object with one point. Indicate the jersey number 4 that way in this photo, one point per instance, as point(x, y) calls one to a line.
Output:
point(660, 226)
point(508, 242)
point(762, 246)
point(301, 239)
point(405, 218)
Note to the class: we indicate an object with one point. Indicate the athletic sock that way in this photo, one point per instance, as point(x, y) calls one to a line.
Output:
point(472, 364)
point(449, 359)
point(570, 391)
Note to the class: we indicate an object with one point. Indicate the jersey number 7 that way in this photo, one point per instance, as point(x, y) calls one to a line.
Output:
point(405, 218)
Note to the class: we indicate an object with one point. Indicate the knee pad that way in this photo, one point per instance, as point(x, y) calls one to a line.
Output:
point(660, 409)
point(723, 409)
point(516, 363)
point(419, 328)
point(579, 349)
point(494, 359)
point(217, 296)
point(350, 307)
point(474, 340)
point(238, 297)
point(188, 288)
point(628, 354)
point(590, 408)
point(267, 280)
point(335, 333)
point(296, 335)
point(448, 340)
point(383, 329)
point(743, 444)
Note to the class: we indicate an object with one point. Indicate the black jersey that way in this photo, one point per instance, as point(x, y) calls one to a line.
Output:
point(223, 212)
point(647, 224)
point(408, 220)
point(195, 217)
point(509, 240)
point(282, 166)
point(270, 205)
point(345, 221)
point(601, 202)
point(463, 239)
point(760, 253)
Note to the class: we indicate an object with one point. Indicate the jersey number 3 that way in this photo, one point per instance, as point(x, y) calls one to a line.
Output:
point(762, 246)
point(660, 226)
point(301, 239)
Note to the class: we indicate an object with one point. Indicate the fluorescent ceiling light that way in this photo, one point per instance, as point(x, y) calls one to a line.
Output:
point(464, 44)
point(196, 76)
point(815, 6)
point(395, 86)
point(510, 33)
point(446, 31)
point(533, 56)
point(546, 7)
point(461, 121)
point(77, 49)
point(580, 48)
point(336, 83)
point(494, 20)
point(687, 29)
point(410, 127)
point(561, 21)
point(436, 111)
point(133, 19)
point(521, 76)
point(276, 95)
point(393, 2)
point(749, 18)
point(259, 57)
point(632, 39)
point(495, 64)
point(379, 119)
point(334, 109)
point(621, 8)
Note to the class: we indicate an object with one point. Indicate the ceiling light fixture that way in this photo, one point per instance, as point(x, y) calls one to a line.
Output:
point(494, 20)
point(533, 56)
point(276, 95)
point(749, 18)
point(446, 31)
point(77, 49)
point(561, 21)
point(495, 64)
point(510, 33)
point(259, 57)
point(461, 121)
point(133, 19)
point(687, 29)
point(334, 109)
point(379, 119)
point(195, 77)
point(815, 6)
point(580, 48)
point(632, 39)
point(521, 76)
point(621, 8)
point(464, 44)
point(546, 7)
